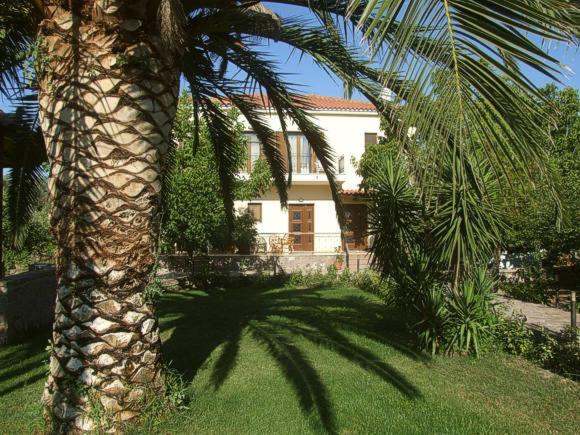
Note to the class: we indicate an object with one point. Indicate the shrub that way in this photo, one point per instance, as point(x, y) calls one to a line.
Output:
point(314, 278)
point(367, 280)
point(242, 236)
point(430, 329)
point(372, 282)
point(16, 259)
point(566, 354)
point(514, 336)
point(470, 319)
point(456, 320)
point(244, 232)
point(421, 274)
point(559, 353)
point(154, 291)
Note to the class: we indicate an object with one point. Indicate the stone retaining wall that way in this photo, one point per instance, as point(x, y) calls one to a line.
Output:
point(251, 264)
point(26, 303)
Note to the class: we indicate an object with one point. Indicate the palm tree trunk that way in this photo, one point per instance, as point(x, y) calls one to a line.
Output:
point(108, 96)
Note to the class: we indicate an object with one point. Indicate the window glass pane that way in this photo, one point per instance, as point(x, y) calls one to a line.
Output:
point(255, 151)
point(293, 139)
point(253, 148)
point(296, 228)
point(304, 156)
point(296, 215)
point(297, 239)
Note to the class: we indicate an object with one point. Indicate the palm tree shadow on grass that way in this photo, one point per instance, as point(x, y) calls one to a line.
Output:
point(204, 321)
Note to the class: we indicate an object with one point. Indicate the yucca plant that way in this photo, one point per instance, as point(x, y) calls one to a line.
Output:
point(467, 216)
point(108, 73)
point(396, 213)
point(470, 315)
point(433, 321)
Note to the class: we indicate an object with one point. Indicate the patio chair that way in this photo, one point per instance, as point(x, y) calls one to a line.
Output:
point(276, 244)
point(260, 246)
point(288, 242)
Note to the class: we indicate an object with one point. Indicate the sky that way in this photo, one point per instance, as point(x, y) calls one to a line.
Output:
point(303, 72)
point(306, 72)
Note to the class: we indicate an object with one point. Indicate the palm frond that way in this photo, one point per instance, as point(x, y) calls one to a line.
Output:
point(221, 130)
point(24, 152)
point(17, 31)
point(24, 188)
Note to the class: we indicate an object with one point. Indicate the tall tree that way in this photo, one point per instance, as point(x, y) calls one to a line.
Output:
point(556, 232)
point(108, 76)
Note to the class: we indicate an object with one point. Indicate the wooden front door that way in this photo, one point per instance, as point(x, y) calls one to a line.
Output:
point(301, 226)
point(356, 226)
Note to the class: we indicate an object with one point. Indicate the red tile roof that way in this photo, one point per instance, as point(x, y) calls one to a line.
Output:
point(318, 102)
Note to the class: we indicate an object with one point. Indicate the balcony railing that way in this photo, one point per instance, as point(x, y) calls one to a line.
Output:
point(280, 243)
point(314, 167)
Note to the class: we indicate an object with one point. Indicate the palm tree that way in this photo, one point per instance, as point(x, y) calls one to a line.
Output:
point(23, 153)
point(108, 74)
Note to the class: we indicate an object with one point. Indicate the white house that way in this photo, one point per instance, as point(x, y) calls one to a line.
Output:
point(310, 221)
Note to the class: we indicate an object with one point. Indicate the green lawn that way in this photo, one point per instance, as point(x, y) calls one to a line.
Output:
point(310, 361)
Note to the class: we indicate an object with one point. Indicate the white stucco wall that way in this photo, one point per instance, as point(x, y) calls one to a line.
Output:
point(275, 218)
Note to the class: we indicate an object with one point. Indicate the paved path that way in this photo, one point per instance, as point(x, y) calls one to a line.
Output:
point(538, 315)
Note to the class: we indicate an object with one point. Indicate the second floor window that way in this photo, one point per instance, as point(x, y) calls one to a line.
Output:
point(253, 145)
point(302, 156)
point(370, 139)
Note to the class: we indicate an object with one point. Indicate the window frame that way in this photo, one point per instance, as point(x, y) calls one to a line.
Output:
point(249, 163)
point(259, 204)
point(296, 156)
point(370, 133)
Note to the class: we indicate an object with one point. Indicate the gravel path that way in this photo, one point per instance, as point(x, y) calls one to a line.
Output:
point(538, 315)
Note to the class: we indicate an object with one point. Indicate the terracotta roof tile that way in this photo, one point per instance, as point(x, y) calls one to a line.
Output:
point(318, 102)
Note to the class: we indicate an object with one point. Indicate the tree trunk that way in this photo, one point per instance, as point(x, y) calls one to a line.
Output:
point(108, 95)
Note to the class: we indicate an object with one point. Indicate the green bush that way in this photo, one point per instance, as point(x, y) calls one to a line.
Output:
point(421, 274)
point(314, 278)
point(154, 291)
point(456, 320)
point(372, 282)
point(244, 232)
point(434, 316)
point(470, 314)
point(559, 353)
point(514, 336)
point(367, 280)
point(16, 259)
point(566, 354)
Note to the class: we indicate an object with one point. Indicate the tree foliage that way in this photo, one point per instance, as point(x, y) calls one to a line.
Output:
point(533, 212)
point(35, 242)
point(195, 215)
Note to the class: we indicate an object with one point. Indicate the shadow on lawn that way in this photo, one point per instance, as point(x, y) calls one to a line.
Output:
point(23, 362)
point(206, 320)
